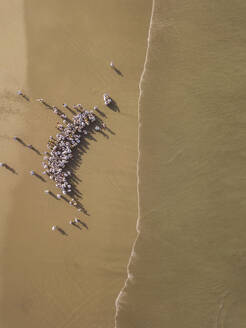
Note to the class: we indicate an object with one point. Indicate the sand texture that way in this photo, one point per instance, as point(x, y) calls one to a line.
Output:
point(51, 280)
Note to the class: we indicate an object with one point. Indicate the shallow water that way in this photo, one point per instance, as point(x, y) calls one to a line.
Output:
point(189, 265)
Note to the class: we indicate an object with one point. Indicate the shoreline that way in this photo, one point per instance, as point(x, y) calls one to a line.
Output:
point(129, 276)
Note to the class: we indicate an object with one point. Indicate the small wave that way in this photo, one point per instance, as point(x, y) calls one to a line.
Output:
point(130, 276)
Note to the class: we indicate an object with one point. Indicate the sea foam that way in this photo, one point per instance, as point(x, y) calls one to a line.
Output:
point(130, 277)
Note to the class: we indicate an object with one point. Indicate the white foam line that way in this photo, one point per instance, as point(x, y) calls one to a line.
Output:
point(129, 276)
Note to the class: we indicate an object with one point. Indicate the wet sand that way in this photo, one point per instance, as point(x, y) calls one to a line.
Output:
point(12, 76)
point(67, 281)
point(189, 269)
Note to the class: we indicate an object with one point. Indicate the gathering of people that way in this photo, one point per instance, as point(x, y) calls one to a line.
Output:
point(61, 149)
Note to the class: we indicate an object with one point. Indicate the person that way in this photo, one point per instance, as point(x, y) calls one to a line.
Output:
point(32, 172)
point(111, 64)
point(2, 164)
point(47, 191)
point(107, 99)
point(19, 93)
point(54, 228)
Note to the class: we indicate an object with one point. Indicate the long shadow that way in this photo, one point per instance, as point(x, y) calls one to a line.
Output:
point(62, 231)
point(25, 97)
point(10, 169)
point(82, 208)
point(108, 129)
point(100, 112)
point(91, 137)
point(35, 150)
point(76, 225)
point(39, 177)
point(47, 105)
point(73, 177)
point(113, 105)
point(117, 71)
point(83, 224)
point(64, 198)
point(70, 109)
point(59, 112)
point(21, 141)
point(104, 134)
point(53, 195)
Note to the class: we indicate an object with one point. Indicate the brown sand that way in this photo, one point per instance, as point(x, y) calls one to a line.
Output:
point(52, 280)
point(12, 77)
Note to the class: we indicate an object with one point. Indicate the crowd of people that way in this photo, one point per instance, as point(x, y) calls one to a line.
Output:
point(61, 148)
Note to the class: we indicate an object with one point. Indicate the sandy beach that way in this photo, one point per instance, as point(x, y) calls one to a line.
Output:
point(13, 65)
point(170, 159)
point(48, 279)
